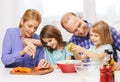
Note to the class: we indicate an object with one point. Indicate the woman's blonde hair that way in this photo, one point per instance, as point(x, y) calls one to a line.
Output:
point(102, 28)
point(31, 14)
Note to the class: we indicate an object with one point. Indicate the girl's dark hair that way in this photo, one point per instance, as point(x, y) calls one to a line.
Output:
point(51, 31)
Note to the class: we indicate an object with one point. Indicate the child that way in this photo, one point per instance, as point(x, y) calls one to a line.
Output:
point(54, 47)
point(101, 38)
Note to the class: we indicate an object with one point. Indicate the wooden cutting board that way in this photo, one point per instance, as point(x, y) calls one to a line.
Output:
point(40, 72)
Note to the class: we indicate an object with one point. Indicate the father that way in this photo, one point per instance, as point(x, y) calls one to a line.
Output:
point(80, 29)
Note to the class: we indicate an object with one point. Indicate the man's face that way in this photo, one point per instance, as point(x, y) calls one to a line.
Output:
point(75, 25)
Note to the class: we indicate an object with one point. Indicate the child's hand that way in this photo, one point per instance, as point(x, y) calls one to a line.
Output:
point(76, 48)
point(70, 46)
point(43, 64)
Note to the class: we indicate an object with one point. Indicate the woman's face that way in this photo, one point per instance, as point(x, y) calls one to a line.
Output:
point(51, 42)
point(29, 28)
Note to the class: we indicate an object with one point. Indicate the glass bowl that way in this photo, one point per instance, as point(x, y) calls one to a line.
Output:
point(85, 67)
point(87, 70)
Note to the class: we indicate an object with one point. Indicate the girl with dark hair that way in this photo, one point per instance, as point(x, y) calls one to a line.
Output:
point(55, 48)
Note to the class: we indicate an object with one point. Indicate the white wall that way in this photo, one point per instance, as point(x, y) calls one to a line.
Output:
point(9, 16)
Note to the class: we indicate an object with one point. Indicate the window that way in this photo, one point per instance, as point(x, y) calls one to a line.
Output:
point(58, 7)
point(108, 10)
point(52, 11)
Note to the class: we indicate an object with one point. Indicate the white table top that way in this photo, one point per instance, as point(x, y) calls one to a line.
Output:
point(55, 76)
point(117, 76)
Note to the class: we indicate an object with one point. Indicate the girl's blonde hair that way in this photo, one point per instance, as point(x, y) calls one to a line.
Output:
point(102, 28)
point(31, 14)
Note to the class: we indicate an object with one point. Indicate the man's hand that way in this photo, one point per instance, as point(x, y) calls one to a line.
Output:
point(117, 65)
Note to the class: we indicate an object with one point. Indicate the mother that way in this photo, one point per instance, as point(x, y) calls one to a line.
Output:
point(15, 52)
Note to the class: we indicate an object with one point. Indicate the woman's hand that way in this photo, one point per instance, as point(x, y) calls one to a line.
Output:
point(30, 50)
point(117, 65)
point(43, 64)
point(29, 47)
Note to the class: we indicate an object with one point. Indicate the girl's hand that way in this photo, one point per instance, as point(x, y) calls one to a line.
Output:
point(73, 48)
point(76, 49)
point(43, 64)
point(55, 66)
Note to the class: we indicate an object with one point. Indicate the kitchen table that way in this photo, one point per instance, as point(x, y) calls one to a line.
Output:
point(55, 76)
